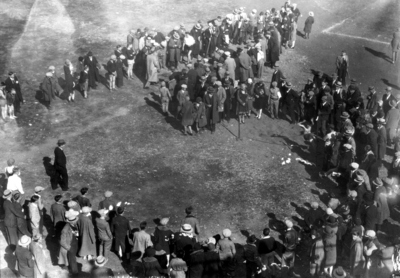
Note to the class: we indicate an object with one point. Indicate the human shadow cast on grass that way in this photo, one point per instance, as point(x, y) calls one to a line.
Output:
point(169, 119)
point(378, 54)
point(50, 171)
point(387, 83)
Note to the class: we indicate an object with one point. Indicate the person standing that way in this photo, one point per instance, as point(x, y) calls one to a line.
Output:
point(291, 239)
point(84, 81)
point(308, 25)
point(227, 251)
point(380, 199)
point(39, 256)
point(26, 264)
point(323, 115)
point(222, 97)
point(293, 32)
point(60, 165)
point(395, 44)
point(48, 89)
point(372, 104)
point(152, 68)
point(174, 47)
point(266, 248)
point(389, 100)
point(192, 220)
point(119, 79)
point(392, 122)
point(112, 72)
point(120, 228)
point(35, 215)
point(317, 253)
point(356, 255)
point(165, 97)
point(87, 237)
point(381, 140)
point(14, 182)
point(57, 214)
point(245, 65)
point(212, 101)
point(93, 73)
point(141, 240)
point(187, 116)
point(21, 222)
point(10, 219)
point(242, 98)
point(104, 233)
point(230, 64)
point(12, 82)
point(372, 138)
point(69, 80)
point(342, 67)
point(196, 34)
point(69, 242)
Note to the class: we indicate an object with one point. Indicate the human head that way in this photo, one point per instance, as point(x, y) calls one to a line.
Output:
point(189, 210)
point(10, 162)
point(61, 142)
point(266, 231)
point(120, 210)
point(84, 190)
point(143, 225)
point(34, 198)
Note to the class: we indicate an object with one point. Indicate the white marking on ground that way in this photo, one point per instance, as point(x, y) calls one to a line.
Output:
point(356, 37)
point(322, 7)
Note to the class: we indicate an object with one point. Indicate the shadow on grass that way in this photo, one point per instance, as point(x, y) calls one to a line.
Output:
point(387, 83)
point(378, 54)
point(170, 120)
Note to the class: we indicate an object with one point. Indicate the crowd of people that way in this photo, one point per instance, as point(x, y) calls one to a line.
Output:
point(216, 72)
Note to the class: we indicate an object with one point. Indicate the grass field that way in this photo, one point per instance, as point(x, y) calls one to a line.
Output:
point(121, 141)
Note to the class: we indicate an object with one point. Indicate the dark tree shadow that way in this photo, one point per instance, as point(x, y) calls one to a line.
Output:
point(378, 54)
point(387, 83)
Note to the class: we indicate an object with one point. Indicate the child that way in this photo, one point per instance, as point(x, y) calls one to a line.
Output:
point(10, 103)
point(165, 97)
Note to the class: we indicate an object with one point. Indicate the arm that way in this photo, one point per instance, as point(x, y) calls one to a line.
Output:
point(65, 240)
point(108, 231)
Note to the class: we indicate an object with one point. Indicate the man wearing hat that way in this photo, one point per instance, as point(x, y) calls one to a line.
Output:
point(181, 97)
point(372, 138)
point(11, 83)
point(339, 97)
point(48, 89)
point(369, 212)
point(99, 269)
point(372, 103)
point(323, 115)
point(277, 76)
point(209, 39)
point(345, 123)
point(389, 100)
point(292, 102)
point(291, 239)
point(57, 214)
point(69, 242)
point(107, 203)
point(353, 97)
point(121, 229)
point(104, 233)
point(187, 112)
point(11, 213)
point(112, 72)
point(60, 165)
point(380, 198)
point(212, 102)
point(342, 64)
point(174, 48)
point(93, 66)
point(26, 264)
point(392, 121)
point(87, 237)
point(196, 34)
point(381, 140)
point(230, 64)
point(314, 217)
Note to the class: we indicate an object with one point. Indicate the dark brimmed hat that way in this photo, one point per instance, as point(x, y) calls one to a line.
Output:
point(345, 115)
point(61, 142)
point(210, 90)
point(369, 126)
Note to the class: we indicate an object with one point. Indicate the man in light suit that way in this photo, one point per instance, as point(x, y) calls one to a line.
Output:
point(60, 165)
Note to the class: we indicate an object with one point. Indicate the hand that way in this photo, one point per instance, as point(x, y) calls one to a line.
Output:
point(118, 204)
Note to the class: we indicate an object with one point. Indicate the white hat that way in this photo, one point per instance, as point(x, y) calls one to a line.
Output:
point(227, 53)
point(122, 57)
point(186, 228)
point(311, 14)
point(329, 211)
point(49, 74)
point(226, 233)
point(24, 240)
point(370, 233)
point(52, 68)
point(254, 11)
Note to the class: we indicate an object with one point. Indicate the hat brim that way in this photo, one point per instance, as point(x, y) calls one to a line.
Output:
point(102, 264)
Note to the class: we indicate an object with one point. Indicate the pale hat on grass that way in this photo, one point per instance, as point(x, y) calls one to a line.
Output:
point(24, 241)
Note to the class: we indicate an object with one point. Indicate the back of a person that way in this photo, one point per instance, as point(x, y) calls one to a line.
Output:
point(101, 225)
point(225, 247)
point(193, 221)
point(151, 267)
point(266, 245)
point(140, 240)
point(23, 255)
point(178, 268)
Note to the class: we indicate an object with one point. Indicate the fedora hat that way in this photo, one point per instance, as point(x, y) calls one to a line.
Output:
point(24, 241)
point(100, 261)
point(393, 103)
point(186, 228)
point(345, 115)
point(339, 272)
point(61, 142)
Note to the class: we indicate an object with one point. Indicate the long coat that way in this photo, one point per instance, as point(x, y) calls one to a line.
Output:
point(317, 253)
point(245, 67)
point(274, 47)
point(120, 228)
point(308, 24)
point(68, 245)
point(187, 113)
point(230, 66)
point(372, 140)
point(200, 114)
point(381, 142)
point(152, 65)
point(356, 258)
point(87, 237)
point(381, 201)
point(48, 89)
point(212, 111)
point(174, 48)
point(392, 122)
point(93, 74)
point(395, 43)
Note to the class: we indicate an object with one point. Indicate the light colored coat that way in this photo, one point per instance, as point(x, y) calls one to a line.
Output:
point(152, 66)
point(230, 66)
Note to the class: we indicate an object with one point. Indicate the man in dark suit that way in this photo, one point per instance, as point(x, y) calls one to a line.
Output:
point(94, 75)
point(292, 100)
point(387, 98)
point(192, 77)
point(323, 115)
point(353, 97)
point(57, 214)
point(372, 104)
point(60, 164)
point(277, 76)
point(10, 218)
point(372, 138)
point(24, 256)
point(81, 199)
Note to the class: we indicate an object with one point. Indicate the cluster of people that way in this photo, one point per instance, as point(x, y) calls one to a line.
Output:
point(10, 97)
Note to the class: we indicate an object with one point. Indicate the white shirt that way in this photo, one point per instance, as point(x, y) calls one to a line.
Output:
point(189, 40)
point(14, 183)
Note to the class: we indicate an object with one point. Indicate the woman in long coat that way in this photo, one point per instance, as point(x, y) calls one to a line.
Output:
point(119, 80)
point(317, 253)
point(187, 116)
point(174, 48)
point(93, 74)
point(212, 103)
point(152, 68)
point(308, 25)
point(69, 80)
point(380, 198)
point(48, 89)
point(273, 48)
point(356, 255)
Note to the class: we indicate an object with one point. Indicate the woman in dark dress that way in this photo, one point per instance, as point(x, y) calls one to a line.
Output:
point(93, 65)
point(241, 97)
point(69, 80)
point(163, 236)
point(260, 98)
point(119, 80)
